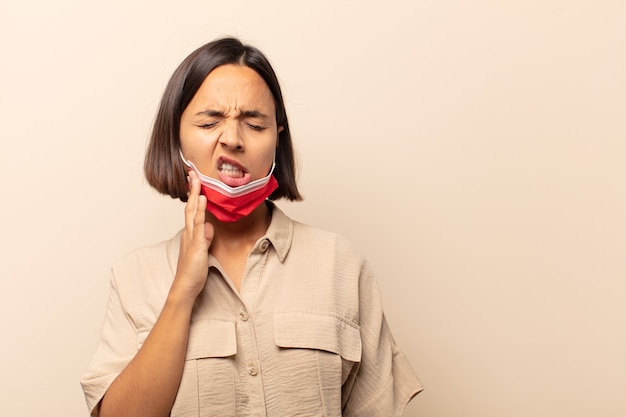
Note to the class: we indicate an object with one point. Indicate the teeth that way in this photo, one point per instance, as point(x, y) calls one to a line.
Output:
point(231, 170)
point(227, 166)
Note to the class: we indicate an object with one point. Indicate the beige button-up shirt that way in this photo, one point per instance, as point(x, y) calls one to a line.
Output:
point(306, 335)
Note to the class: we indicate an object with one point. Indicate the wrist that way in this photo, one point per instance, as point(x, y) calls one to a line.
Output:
point(181, 297)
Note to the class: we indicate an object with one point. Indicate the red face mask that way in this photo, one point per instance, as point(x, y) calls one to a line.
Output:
point(231, 209)
point(230, 204)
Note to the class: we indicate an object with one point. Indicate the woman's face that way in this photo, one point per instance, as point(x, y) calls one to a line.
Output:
point(228, 130)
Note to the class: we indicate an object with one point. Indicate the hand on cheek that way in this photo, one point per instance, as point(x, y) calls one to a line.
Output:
point(195, 241)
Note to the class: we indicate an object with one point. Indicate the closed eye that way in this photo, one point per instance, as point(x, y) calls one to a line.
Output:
point(207, 125)
point(258, 128)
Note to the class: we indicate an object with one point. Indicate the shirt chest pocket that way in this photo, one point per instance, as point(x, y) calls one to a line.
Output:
point(317, 353)
point(207, 386)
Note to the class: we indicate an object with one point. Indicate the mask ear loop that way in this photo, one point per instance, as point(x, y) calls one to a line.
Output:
point(273, 165)
point(186, 162)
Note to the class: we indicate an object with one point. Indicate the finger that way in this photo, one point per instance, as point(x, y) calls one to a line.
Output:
point(199, 220)
point(192, 201)
point(194, 186)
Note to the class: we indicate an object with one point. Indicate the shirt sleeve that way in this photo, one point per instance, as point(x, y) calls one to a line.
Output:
point(117, 346)
point(384, 382)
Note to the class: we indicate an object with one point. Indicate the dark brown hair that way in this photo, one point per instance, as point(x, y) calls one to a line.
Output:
point(163, 166)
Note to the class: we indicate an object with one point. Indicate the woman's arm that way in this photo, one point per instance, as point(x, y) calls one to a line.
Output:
point(149, 383)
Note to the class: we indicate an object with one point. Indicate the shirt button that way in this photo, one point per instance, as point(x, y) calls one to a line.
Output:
point(264, 245)
point(243, 314)
point(253, 369)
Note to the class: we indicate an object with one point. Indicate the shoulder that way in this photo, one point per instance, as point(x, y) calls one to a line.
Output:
point(297, 241)
point(320, 242)
point(144, 276)
point(159, 255)
point(327, 253)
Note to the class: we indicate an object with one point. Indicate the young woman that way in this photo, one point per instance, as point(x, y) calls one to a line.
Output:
point(244, 312)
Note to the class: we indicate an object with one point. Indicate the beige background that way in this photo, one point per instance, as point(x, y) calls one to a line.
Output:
point(473, 150)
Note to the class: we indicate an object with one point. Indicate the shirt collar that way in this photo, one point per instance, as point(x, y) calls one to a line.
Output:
point(279, 233)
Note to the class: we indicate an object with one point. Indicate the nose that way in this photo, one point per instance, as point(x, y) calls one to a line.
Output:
point(231, 137)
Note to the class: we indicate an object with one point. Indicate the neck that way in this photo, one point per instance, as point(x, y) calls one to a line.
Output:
point(242, 233)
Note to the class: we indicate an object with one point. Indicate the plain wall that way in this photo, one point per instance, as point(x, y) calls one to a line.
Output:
point(473, 150)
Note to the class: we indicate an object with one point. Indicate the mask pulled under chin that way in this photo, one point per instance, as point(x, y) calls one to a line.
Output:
point(229, 204)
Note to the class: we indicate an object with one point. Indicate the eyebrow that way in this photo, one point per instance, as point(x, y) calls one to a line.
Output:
point(242, 115)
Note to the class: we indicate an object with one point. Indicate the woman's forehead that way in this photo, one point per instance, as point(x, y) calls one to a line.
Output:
point(231, 88)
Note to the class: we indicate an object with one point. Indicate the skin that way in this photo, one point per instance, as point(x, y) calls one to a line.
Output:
point(231, 116)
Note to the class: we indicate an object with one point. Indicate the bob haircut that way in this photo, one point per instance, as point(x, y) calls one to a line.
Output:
point(163, 166)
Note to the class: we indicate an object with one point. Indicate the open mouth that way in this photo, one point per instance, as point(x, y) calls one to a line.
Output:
point(231, 170)
point(231, 173)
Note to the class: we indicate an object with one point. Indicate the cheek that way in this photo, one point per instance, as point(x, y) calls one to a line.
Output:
point(271, 149)
point(197, 140)
point(185, 138)
point(266, 153)
point(266, 159)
